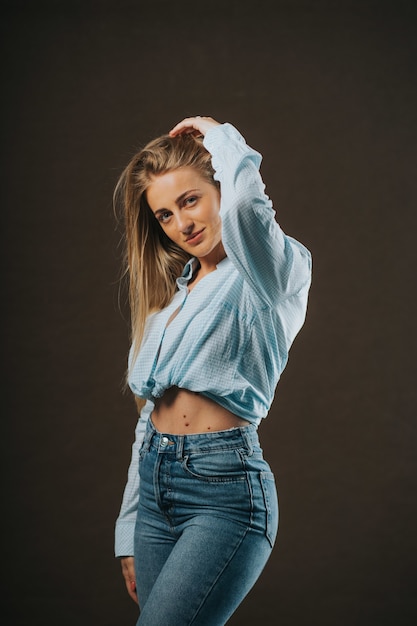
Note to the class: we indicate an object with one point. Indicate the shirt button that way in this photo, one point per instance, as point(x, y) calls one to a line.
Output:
point(164, 441)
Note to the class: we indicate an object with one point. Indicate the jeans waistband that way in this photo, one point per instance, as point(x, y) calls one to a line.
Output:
point(239, 437)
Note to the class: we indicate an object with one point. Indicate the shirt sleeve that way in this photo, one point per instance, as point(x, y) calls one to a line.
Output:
point(274, 264)
point(125, 523)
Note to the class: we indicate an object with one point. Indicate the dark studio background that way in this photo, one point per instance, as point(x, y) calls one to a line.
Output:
point(326, 91)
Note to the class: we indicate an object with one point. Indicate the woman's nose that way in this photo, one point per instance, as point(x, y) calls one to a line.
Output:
point(185, 225)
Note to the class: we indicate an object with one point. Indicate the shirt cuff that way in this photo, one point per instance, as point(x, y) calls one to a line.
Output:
point(124, 539)
point(217, 135)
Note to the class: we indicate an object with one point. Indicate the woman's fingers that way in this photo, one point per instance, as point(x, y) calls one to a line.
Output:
point(128, 571)
point(197, 125)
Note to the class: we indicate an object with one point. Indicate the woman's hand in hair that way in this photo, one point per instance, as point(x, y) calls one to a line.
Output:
point(196, 125)
point(128, 571)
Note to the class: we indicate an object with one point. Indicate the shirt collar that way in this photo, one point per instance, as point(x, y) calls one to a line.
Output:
point(187, 273)
point(191, 267)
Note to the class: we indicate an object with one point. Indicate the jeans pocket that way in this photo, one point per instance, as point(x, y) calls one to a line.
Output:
point(218, 466)
point(269, 492)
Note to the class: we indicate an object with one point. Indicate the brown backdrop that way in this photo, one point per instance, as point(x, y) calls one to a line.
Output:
point(327, 92)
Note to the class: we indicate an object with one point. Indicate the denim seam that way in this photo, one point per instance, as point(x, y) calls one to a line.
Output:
point(248, 527)
point(263, 477)
point(156, 481)
point(214, 582)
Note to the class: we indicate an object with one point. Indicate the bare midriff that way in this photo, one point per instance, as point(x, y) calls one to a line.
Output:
point(184, 412)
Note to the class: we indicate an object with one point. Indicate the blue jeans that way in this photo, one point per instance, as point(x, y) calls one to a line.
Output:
point(207, 522)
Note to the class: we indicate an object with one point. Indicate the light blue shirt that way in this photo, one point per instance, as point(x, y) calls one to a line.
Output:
point(231, 337)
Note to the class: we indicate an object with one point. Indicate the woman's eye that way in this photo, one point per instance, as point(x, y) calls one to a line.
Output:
point(190, 201)
point(163, 217)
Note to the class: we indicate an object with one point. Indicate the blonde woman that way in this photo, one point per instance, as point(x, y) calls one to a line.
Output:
point(218, 293)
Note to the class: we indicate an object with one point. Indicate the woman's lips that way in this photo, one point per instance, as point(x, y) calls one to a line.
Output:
point(195, 237)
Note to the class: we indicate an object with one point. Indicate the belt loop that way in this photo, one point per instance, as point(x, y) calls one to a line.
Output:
point(180, 447)
point(248, 440)
point(149, 433)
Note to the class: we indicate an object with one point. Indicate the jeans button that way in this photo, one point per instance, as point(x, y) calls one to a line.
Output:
point(164, 442)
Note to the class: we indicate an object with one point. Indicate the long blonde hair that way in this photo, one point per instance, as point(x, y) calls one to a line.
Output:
point(152, 261)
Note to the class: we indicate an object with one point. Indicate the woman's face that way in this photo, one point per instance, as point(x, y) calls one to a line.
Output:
point(187, 207)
